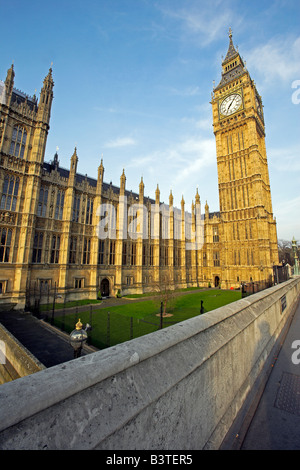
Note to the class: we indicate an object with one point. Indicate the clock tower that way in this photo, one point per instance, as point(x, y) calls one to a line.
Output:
point(249, 248)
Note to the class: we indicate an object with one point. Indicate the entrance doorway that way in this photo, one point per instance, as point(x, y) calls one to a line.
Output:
point(217, 281)
point(104, 287)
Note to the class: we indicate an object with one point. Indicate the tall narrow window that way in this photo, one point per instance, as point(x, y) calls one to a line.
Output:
point(18, 142)
point(73, 250)
point(42, 206)
point(112, 250)
point(54, 257)
point(101, 247)
point(216, 256)
point(215, 234)
point(86, 251)
point(161, 256)
point(124, 254)
point(188, 258)
point(37, 247)
point(133, 254)
point(175, 256)
point(166, 256)
point(144, 259)
point(151, 258)
point(60, 199)
point(5, 242)
point(9, 193)
point(89, 212)
point(76, 206)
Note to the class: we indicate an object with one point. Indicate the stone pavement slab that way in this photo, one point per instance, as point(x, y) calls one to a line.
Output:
point(276, 423)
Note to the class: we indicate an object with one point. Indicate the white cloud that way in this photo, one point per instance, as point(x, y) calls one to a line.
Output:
point(120, 142)
point(278, 59)
point(140, 162)
point(204, 124)
point(201, 20)
point(196, 155)
point(285, 159)
point(180, 166)
point(287, 215)
point(188, 91)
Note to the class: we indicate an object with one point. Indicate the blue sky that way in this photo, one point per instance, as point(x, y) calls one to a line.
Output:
point(133, 81)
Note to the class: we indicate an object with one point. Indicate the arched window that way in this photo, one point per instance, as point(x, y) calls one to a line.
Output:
point(9, 193)
point(89, 211)
point(76, 207)
point(42, 206)
point(59, 205)
point(73, 250)
point(18, 142)
point(55, 247)
point(37, 247)
point(5, 242)
point(86, 251)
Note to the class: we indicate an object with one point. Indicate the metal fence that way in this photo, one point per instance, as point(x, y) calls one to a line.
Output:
point(110, 328)
point(106, 328)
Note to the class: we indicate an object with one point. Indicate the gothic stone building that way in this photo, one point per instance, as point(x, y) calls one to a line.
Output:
point(72, 235)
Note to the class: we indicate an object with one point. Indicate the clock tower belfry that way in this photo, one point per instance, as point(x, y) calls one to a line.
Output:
point(250, 240)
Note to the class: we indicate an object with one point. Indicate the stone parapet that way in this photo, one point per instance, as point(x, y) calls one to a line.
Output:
point(177, 388)
point(15, 360)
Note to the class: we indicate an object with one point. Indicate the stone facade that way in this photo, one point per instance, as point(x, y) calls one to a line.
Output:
point(66, 234)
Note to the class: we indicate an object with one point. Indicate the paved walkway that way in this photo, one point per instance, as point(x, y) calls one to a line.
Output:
point(50, 346)
point(275, 424)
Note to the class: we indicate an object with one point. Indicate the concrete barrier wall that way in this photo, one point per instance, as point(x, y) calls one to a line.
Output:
point(18, 361)
point(177, 388)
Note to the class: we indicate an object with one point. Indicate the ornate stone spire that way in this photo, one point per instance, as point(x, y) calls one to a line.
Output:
point(232, 52)
point(232, 66)
point(100, 170)
point(171, 199)
point(122, 183)
point(9, 81)
point(74, 161)
point(46, 97)
point(157, 195)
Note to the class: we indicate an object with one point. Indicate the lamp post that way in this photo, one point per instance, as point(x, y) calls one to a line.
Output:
point(78, 338)
point(296, 265)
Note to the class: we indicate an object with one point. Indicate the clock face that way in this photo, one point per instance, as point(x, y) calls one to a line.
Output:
point(258, 106)
point(230, 104)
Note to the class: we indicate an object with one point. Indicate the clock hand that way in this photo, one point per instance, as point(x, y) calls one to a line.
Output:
point(230, 105)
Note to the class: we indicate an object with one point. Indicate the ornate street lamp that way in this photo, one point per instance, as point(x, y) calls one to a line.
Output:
point(296, 265)
point(78, 338)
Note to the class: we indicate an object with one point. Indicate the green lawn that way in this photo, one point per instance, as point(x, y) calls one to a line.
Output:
point(73, 303)
point(115, 325)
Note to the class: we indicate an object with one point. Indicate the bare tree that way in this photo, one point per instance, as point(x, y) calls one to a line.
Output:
point(285, 252)
point(165, 294)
